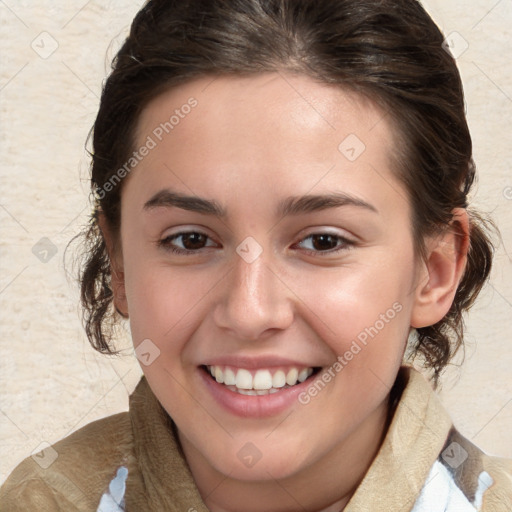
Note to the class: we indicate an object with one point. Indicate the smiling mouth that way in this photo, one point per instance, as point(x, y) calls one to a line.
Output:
point(259, 382)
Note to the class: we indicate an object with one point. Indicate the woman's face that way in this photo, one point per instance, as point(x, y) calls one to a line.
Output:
point(298, 256)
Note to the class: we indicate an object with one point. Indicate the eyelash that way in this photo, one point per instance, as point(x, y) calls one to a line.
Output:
point(165, 244)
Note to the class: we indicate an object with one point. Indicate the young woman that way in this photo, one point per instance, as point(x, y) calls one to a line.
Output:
point(280, 212)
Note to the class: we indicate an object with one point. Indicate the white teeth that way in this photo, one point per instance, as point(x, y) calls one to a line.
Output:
point(291, 376)
point(219, 377)
point(243, 379)
point(247, 391)
point(262, 383)
point(229, 377)
point(303, 375)
point(279, 379)
point(262, 380)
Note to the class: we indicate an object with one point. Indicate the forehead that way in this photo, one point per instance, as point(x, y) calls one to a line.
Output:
point(286, 130)
point(268, 100)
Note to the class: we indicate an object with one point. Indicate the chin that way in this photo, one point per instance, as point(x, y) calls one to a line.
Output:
point(251, 464)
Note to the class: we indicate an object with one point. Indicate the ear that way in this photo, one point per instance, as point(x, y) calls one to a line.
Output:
point(440, 274)
point(116, 266)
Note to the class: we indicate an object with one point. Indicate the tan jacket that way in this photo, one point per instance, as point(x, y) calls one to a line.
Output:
point(423, 465)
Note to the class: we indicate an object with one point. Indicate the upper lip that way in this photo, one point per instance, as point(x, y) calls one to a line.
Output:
point(251, 362)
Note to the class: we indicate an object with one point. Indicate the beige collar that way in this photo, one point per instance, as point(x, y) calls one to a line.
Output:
point(415, 438)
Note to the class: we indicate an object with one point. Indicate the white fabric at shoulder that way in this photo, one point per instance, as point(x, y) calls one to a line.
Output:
point(113, 499)
point(440, 492)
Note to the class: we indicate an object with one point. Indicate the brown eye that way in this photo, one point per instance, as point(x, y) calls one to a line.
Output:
point(192, 241)
point(327, 243)
point(323, 242)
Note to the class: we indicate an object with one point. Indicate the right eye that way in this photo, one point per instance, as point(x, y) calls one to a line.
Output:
point(195, 241)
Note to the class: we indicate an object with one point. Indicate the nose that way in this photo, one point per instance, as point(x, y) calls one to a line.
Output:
point(255, 299)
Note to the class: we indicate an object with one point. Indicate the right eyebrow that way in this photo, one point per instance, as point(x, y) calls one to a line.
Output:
point(169, 199)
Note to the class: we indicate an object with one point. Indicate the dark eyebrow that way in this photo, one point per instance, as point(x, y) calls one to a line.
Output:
point(311, 203)
point(168, 198)
point(294, 205)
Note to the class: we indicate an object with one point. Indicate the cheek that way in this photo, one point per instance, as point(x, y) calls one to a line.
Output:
point(348, 300)
point(363, 313)
point(163, 301)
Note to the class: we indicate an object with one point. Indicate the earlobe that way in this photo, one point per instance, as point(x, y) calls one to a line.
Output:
point(442, 272)
point(116, 267)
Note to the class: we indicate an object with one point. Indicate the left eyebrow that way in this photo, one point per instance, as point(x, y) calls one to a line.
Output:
point(297, 205)
point(294, 205)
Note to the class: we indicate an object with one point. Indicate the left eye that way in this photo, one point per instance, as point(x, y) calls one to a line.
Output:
point(193, 241)
point(328, 242)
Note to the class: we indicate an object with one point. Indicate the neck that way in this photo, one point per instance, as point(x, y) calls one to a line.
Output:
point(325, 486)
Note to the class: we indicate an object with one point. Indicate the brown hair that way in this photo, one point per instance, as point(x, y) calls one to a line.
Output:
point(388, 50)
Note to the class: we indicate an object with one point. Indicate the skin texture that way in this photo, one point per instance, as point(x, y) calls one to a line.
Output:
point(249, 143)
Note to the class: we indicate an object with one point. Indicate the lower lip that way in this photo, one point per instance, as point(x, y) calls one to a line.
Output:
point(254, 406)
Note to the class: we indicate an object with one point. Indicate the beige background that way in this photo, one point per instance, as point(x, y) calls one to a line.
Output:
point(52, 382)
